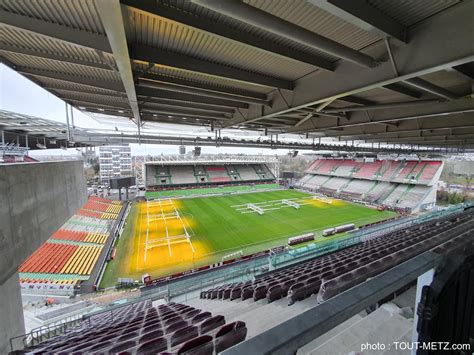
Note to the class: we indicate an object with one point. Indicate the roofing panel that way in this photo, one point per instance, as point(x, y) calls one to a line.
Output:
point(25, 39)
point(80, 14)
point(314, 19)
point(203, 78)
point(105, 99)
point(171, 36)
point(61, 67)
point(192, 9)
point(71, 86)
point(410, 12)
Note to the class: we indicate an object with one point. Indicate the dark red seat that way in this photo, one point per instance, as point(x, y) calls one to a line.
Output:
point(200, 317)
point(151, 335)
point(184, 334)
point(122, 347)
point(153, 346)
point(229, 335)
point(259, 292)
point(211, 323)
point(175, 326)
point(247, 292)
point(202, 345)
point(235, 293)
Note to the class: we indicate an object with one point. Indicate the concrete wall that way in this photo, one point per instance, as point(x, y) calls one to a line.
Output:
point(11, 312)
point(35, 200)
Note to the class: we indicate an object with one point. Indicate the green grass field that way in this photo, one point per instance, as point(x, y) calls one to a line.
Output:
point(209, 191)
point(218, 228)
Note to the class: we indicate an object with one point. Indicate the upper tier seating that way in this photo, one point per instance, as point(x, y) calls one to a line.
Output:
point(429, 172)
point(327, 166)
point(333, 273)
point(368, 170)
point(170, 329)
point(388, 169)
point(406, 172)
point(346, 167)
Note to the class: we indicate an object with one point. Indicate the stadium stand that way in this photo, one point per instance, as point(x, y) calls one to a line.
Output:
point(217, 174)
point(166, 329)
point(333, 273)
point(70, 254)
point(199, 174)
point(181, 174)
point(354, 179)
point(248, 173)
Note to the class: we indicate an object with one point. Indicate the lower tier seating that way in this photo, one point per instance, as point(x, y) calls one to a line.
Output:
point(333, 273)
point(166, 329)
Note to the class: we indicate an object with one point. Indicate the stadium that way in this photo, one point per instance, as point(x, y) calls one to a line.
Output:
point(321, 201)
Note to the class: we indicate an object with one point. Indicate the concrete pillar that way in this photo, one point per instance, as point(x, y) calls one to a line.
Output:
point(11, 312)
point(35, 200)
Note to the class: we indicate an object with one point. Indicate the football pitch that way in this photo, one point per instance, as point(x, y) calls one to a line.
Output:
point(174, 235)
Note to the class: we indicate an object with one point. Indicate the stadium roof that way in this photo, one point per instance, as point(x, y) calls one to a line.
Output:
point(376, 70)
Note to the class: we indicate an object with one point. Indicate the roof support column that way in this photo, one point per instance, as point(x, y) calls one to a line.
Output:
point(111, 16)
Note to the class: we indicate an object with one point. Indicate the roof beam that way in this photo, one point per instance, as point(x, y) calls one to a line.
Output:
point(107, 85)
point(261, 19)
point(164, 11)
point(95, 103)
point(190, 105)
point(404, 90)
point(57, 32)
point(381, 106)
point(110, 13)
point(199, 85)
point(170, 87)
point(184, 114)
point(185, 110)
point(155, 93)
point(442, 109)
point(361, 14)
point(435, 44)
point(467, 70)
point(52, 56)
point(431, 88)
point(83, 90)
point(428, 124)
point(184, 62)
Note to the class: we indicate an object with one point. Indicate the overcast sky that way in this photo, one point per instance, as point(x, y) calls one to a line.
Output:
point(21, 95)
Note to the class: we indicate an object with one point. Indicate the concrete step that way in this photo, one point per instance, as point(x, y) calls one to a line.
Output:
point(309, 348)
point(258, 316)
point(381, 326)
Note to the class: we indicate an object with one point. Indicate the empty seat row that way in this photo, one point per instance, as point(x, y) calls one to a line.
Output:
point(166, 329)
